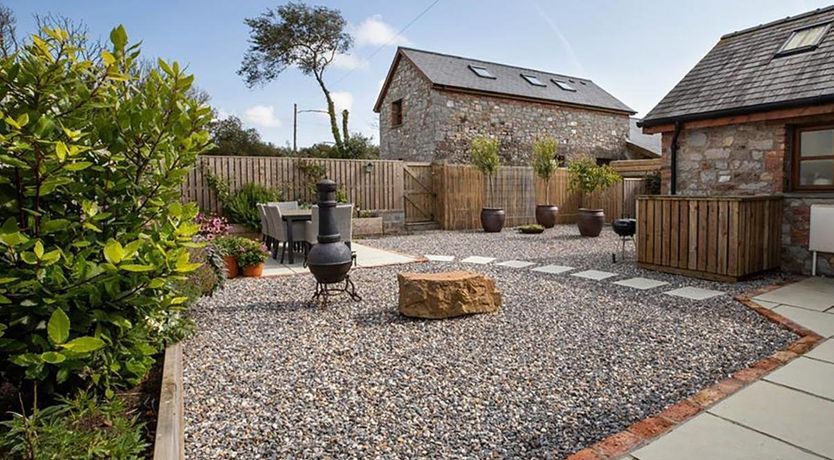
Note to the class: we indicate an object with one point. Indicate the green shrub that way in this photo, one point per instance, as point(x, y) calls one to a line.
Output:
point(251, 253)
point(484, 151)
point(228, 245)
point(241, 206)
point(586, 176)
point(544, 161)
point(93, 238)
point(210, 277)
point(531, 228)
point(78, 428)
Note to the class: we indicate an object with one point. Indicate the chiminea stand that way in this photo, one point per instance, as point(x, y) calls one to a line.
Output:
point(326, 290)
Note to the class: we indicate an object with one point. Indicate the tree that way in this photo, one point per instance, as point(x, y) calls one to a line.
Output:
point(298, 35)
point(484, 151)
point(544, 161)
point(231, 138)
point(8, 35)
point(356, 147)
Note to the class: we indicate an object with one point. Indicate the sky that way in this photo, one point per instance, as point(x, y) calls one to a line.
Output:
point(635, 50)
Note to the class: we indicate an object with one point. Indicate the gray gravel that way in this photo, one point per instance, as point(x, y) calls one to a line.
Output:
point(566, 362)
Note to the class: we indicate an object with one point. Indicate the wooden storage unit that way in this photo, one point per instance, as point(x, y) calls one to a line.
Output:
point(717, 238)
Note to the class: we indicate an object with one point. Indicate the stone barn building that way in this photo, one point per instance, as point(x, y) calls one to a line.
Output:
point(756, 117)
point(431, 106)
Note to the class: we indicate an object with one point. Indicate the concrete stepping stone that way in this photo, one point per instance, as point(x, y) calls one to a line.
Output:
point(694, 293)
point(478, 260)
point(595, 275)
point(439, 258)
point(641, 283)
point(553, 269)
point(515, 264)
point(799, 295)
point(808, 375)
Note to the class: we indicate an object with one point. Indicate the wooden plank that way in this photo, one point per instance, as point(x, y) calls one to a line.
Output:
point(169, 441)
point(712, 237)
point(723, 237)
point(694, 224)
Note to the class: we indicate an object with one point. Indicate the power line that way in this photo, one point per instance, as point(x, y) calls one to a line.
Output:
point(389, 42)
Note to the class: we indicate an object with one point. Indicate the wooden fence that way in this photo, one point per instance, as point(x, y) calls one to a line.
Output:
point(720, 238)
point(370, 184)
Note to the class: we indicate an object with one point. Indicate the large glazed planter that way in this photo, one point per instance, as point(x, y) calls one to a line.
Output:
point(590, 221)
point(546, 215)
point(231, 266)
point(253, 271)
point(492, 219)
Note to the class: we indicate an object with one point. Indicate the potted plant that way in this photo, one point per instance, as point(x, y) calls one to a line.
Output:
point(251, 258)
point(229, 247)
point(586, 176)
point(544, 164)
point(485, 158)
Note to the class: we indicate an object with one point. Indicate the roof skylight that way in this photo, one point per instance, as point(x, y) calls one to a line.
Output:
point(481, 71)
point(533, 80)
point(804, 39)
point(564, 85)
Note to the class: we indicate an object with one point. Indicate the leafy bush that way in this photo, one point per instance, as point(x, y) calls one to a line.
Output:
point(586, 176)
point(78, 428)
point(544, 161)
point(228, 245)
point(251, 253)
point(485, 158)
point(210, 277)
point(241, 206)
point(94, 241)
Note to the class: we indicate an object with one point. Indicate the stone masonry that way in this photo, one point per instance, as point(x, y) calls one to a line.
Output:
point(440, 124)
point(747, 159)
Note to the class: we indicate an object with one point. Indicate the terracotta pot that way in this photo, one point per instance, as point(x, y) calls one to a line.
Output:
point(546, 215)
point(492, 219)
point(231, 266)
point(253, 271)
point(590, 221)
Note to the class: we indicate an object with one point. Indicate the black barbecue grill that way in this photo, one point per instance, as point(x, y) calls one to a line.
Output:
point(626, 229)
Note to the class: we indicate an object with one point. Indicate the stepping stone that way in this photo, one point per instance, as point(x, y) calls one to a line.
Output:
point(808, 375)
point(694, 293)
point(594, 275)
point(437, 258)
point(799, 295)
point(478, 260)
point(553, 269)
point(515, 263)
point(641, 283)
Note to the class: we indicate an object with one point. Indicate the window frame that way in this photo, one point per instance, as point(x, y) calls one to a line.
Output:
point(826, 26)
point(527, 77)
point(397, 113)
point(796, 158)
point(488, 75)
point(563, 85)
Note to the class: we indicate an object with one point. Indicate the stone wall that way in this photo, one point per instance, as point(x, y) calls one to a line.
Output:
point(747, 159)
point(440, 125)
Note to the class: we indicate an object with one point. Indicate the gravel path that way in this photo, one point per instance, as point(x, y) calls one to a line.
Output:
point(566, 361)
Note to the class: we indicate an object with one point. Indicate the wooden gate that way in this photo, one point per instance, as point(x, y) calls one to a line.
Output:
point(418, 193)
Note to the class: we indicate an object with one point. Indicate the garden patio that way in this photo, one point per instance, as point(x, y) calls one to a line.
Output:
point(581, 349)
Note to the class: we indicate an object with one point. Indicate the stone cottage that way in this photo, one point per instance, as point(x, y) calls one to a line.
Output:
point(756, 116)
point(431, 105)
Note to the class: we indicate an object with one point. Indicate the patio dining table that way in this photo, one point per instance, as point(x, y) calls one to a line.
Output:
point(291, 216)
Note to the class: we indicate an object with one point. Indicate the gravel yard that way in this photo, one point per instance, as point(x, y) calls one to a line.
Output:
point(566, 361)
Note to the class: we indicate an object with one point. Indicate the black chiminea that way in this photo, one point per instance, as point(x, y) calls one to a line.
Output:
point(330, 260)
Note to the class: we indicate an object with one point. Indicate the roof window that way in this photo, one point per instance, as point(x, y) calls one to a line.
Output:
point(481, 71)
point(805, 39)
point(533, 80)
point(564, 85)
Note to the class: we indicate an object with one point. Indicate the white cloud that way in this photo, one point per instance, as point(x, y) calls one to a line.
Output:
point(263, 116)
point(343, 100)
point(349, 62)
point(373, 31)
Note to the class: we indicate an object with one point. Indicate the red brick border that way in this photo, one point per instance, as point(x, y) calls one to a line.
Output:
point(648, 429)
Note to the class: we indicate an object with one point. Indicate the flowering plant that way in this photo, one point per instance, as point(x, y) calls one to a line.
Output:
point(251, 253)
point(212, 226)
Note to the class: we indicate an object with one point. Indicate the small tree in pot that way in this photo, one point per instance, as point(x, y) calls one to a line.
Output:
point(485, 157)
point(586, 176)
point(544, 164)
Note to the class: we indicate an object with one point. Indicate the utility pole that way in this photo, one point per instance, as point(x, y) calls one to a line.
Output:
point(295, 113)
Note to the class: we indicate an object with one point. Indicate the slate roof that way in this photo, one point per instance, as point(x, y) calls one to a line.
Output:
point(651, 143)
point(743, 74)
point(453, 72)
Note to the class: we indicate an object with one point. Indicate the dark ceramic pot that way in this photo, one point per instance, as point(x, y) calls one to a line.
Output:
point(546, 215)
point(492, 219)
point(590, 221)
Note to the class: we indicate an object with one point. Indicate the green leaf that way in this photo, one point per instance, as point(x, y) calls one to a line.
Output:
point(58, 327)
point(4, 300)
point(54, 225)
point(118, 37)
point(84, 344)
point(38, 249)
point(178, 300)
point(78, 166)
point(108, 58)
point(136, 267)
point(7, 279)
point(53, 357)
point(187, 267)
point(113, 252)
point(61, 150)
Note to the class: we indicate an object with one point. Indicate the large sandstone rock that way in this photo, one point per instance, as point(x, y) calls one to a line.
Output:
point(445, 295)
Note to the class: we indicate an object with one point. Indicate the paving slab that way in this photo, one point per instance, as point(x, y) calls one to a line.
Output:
point(799, 295)
point(439, 258)
point(709, 437)
point(596, 275)
point(641, 283)
point(516, 264)
point(694, 293)
point(783, 413)
point(819, 322)
point(808, 375)
point(823, 352)
point(820, 284)
point(478, 260)
point(766, 304)
point(553, 269)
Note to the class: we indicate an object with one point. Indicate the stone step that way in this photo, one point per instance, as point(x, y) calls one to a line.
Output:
point(421, 226)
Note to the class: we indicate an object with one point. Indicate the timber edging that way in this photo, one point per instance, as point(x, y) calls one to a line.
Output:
point(169, 443)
